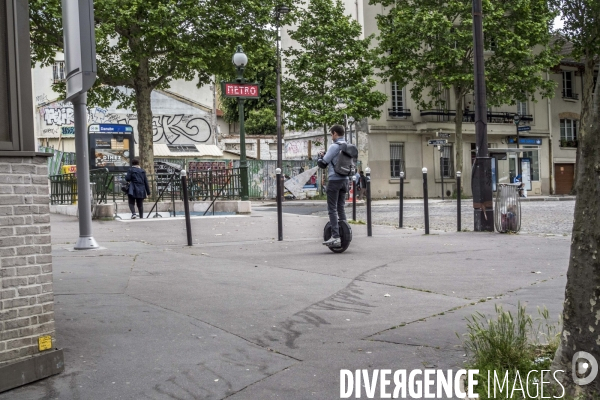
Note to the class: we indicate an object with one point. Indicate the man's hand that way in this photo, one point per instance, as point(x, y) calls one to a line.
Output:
point(321, 154)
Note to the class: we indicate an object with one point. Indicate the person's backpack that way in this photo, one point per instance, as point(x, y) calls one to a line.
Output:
point(346, 163)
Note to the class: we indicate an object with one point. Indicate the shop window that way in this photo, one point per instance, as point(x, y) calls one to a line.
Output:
point(396, 159)
point(534, 156)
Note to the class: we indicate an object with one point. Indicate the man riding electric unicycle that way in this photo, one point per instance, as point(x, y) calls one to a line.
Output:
point(340, 161)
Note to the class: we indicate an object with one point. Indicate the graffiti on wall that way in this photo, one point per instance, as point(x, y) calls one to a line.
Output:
point(57, 119)
point(180, 129)
point(298, 149)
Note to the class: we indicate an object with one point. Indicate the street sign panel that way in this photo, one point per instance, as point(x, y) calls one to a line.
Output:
point(524, 128)
point(443, 135)
point(437, 142)
point(525, 140)
point(109, 128)
point(79, 45)
point(243, 90)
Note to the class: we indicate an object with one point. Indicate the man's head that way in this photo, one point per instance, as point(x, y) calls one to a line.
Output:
point(135, 161)
point(362, 173)
point(337, 131)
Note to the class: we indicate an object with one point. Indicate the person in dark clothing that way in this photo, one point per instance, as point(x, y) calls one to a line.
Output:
point(138, 188)
point(362, 181)
point(337, 186)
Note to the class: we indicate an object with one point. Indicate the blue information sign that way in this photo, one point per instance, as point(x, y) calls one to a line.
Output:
point(525, 140)
point(110, 128)
point(524, 128)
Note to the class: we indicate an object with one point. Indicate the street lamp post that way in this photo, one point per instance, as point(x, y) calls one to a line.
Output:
point(517, 121)
point(240, 60)
point(279, 11)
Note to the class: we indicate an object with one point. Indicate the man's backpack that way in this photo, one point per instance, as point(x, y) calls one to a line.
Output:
point(346, 162)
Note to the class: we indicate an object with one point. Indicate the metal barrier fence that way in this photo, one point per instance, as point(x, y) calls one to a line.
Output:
point(63, 187)
point(507, 210)
point(202, 186)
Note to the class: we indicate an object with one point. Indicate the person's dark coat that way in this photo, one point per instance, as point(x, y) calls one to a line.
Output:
point(138, 187)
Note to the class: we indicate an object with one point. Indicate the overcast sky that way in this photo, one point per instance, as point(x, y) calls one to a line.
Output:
point(558, 23)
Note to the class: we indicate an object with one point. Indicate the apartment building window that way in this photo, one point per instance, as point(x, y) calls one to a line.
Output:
point(447, 167)
point(568, 133)
point(396, 159)
point(568, 85)
point(58, 71)
point(522, 107)
point(397, 97)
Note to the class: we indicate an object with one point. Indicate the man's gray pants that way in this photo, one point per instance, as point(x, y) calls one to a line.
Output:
point(336, 198)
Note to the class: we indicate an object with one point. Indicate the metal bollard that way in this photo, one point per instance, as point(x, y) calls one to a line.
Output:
point(369, 226)
point(458, 195)
point(354, 198)
point(186, 207)
point(279, 206)
point(401, 210)
point(426, 201)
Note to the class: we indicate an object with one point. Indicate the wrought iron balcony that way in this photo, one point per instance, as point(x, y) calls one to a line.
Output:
point(399, 112)
point(568, 94)
point(569, 143)
point(497, 117)
point(438, 115)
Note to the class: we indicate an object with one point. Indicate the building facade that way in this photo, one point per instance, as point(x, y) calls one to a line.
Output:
point(398, 141)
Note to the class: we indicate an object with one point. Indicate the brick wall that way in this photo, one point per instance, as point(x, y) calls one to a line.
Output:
point(26, 296)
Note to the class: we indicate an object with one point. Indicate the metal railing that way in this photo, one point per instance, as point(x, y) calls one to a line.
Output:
point(399, 112)
point(63, 187)
point(568, 94)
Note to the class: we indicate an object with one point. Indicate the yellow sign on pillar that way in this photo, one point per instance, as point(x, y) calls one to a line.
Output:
point(44, 343)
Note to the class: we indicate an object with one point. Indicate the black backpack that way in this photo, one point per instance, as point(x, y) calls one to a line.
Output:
point(346, 163)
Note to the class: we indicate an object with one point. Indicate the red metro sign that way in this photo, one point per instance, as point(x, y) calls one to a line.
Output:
point(243, 90)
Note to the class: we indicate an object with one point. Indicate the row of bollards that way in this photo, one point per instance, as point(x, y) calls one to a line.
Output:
point(401, 197)
point(188, 226)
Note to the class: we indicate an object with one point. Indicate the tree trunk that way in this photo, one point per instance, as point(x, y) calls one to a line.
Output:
point(585, 118)
point(458, 133)
point(143, 92)
point(581, 314)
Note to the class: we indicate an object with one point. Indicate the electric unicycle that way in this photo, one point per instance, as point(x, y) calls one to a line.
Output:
point(345, 236)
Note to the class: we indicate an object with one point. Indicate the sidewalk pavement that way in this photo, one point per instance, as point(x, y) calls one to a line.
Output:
point(242, 316)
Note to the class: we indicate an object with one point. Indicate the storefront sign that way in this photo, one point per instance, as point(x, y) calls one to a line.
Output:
point(525, 140)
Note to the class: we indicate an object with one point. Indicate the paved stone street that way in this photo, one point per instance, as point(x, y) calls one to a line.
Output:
point(538, 217)
point(242, 316)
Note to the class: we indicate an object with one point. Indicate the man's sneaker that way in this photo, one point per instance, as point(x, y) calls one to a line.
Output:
point(333, 242)
point(133, 216)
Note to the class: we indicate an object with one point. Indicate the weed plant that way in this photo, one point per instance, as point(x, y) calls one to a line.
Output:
point(511, 343)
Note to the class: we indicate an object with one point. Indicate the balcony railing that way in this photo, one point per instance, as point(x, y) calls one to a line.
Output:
point(567, 94)
point(399, 112)
point(437, 115)
point(569, 143)
point(497, 117)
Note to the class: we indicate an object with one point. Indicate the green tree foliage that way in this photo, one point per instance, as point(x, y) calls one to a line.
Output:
point(581, 309)
point(330, 63)
point(143, 45)
point(261, 121)
point(430, 45)
point(261, 69)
